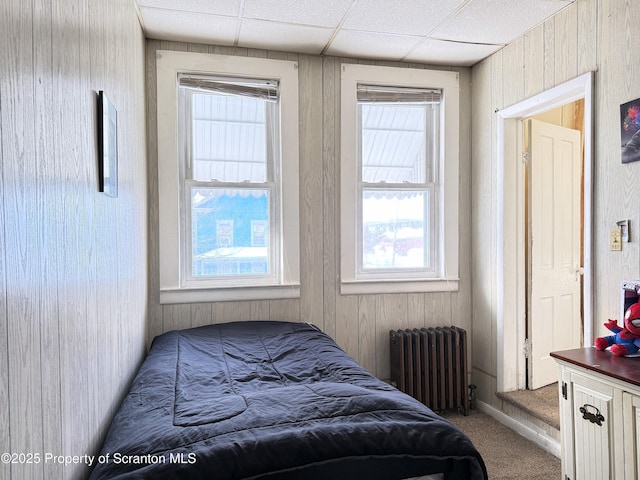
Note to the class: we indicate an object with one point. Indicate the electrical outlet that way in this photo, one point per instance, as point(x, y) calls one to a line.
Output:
point(615, 240)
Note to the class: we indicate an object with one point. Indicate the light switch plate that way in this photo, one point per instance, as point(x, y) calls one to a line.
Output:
point(615, 240)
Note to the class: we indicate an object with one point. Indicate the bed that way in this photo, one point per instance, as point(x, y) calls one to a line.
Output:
point(273, 400)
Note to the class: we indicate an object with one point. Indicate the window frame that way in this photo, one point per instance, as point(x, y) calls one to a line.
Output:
point(175, 284)
point(353, 281)
point(427, 187)
point(189, 182)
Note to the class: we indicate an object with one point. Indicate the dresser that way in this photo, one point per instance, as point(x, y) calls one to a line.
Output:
point(599, 414)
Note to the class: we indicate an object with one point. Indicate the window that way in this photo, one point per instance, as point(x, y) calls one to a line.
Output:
point(231, 156)
point(399, 191)
point(228, 184)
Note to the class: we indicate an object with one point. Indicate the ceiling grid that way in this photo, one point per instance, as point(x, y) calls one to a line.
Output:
point(439, 32)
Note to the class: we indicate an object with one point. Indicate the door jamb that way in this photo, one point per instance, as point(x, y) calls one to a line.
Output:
point(510, 258)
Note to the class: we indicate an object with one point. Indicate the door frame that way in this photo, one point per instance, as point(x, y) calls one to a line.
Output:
point(510, 255)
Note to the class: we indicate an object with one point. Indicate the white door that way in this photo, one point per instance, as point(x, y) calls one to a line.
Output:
point(554, 317)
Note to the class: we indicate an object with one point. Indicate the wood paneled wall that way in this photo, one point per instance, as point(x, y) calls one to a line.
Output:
point(589, 35)
point(359, 323)
point(73, 262)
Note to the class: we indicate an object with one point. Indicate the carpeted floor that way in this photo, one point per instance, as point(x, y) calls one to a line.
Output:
point(507, 455)
point(542, 403)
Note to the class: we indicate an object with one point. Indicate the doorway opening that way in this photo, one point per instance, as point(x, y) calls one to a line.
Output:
point(512, 261)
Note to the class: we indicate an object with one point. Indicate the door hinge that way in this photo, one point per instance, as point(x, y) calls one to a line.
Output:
point(526, 348)
point(564, 390)
point(525, 157)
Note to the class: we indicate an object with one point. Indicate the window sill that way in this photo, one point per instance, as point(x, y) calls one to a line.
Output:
point(205, 295)
point(399, 286)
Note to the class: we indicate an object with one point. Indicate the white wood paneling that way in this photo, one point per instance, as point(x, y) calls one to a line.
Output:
point(549, 54)
point(50, 264)
point(366, 333)
point(588, 35)
point(22, 208)
point(359, 323)
point(5, 439)
point(534, 61)
point(513, 72)
point(73, 264)
point(330, 172)
point(483, 227)
point(201, 314)
point(565, 41)
point(311, 176)
point(260, 310)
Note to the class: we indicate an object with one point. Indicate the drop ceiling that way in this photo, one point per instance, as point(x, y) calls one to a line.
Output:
point(449, 32)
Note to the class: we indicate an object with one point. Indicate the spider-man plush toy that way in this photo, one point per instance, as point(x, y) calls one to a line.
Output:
point(626, 340)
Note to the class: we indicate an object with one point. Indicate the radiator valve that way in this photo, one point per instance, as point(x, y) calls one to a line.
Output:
point(472, 396)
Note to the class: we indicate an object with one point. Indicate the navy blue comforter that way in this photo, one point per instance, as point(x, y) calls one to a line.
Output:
point(273, 400)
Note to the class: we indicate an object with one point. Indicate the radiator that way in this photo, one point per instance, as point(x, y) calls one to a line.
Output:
point(430, 364)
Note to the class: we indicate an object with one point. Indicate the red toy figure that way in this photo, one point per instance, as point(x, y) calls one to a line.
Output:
point(626, 340)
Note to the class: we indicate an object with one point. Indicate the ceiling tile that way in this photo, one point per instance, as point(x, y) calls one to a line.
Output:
point(440, 52)
point(327, 13)
point(413, 30)
point(497, 21)
point(283, 36)
point(405, 17)
point(370, 45)
point(214, 7)
point(188, 27)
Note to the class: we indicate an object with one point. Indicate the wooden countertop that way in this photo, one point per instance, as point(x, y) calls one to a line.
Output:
point(626, 369)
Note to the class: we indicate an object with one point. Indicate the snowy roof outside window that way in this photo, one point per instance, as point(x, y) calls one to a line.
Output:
point(230, 140)
point(396, 142)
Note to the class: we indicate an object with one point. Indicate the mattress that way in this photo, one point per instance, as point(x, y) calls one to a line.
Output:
point(273, 400)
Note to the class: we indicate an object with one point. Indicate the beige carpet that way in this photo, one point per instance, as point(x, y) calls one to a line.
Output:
point(507, 455)
point(542, 403)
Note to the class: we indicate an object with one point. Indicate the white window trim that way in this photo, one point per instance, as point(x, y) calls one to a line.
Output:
point(169, 64)
point(447, 278)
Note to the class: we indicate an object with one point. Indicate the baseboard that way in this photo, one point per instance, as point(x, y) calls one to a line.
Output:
point(545, 442)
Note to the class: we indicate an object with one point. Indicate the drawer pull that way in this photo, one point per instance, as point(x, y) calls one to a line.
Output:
point(593, 416)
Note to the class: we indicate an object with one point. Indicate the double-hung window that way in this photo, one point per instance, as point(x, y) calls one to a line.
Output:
point(228, 169)
point(399, 173)
point(230, 147)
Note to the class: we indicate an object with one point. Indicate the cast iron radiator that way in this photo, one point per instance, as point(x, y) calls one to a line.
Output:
point(430, 364)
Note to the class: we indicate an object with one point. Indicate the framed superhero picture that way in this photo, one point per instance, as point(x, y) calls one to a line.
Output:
point(630, 131)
